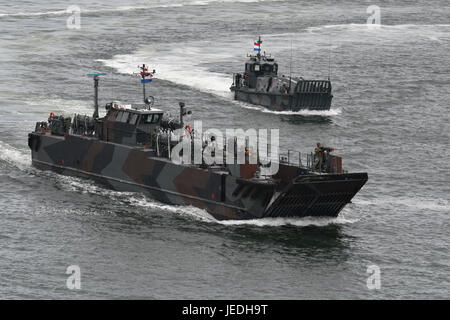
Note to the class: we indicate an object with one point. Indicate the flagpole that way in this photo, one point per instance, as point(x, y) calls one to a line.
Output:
point(259, 47)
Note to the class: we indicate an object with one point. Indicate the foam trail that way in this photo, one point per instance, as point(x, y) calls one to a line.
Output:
point(178, 66)
point(189, 211)
point(14, 156)
point(331, 112)
point(297, 222)
point(202, 215)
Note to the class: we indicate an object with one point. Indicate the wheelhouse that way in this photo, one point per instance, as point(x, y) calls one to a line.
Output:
point(130, 124)
point(255, 68)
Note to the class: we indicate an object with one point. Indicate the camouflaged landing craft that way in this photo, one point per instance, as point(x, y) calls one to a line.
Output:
point(261, 85)
point(129, 149)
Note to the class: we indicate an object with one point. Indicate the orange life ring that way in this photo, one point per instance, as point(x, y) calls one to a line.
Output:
point(52, 115)
point(188, 128)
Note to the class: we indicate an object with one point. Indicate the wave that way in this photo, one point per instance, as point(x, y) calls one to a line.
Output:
point(14, 156)
point(297, 222)
point(331, 112)
point(178, 65)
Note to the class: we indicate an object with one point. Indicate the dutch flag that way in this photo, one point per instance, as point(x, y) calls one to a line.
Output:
point(256, 47)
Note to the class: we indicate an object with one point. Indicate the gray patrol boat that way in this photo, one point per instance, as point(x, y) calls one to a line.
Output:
point(261, 85)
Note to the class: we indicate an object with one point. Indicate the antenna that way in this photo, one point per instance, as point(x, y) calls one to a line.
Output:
point(96, 77)
point(329, 62)
point(183, 112)
point(290, 70)
point(112, 85)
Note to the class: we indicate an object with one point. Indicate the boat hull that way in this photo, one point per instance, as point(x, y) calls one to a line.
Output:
point(284, 102)
point(126, 168)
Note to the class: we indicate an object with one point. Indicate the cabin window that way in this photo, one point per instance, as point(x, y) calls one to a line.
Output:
point(146, 118)
point(257, 67)
point(156, 117)
point(124, 117)
point(151, 118)
point(267, 68)
point(119, 115)
point(133, 118)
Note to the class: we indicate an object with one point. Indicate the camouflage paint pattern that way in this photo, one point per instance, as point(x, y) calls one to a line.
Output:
point(293, 192)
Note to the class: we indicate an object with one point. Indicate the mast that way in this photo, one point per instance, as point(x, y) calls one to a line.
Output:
point(259, 46)
point(96, 77)
point(329, 62)
point(144, 74)
point(290, 70)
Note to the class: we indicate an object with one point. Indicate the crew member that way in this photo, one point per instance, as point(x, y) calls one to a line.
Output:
point(238, 80)
point(318, 156)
